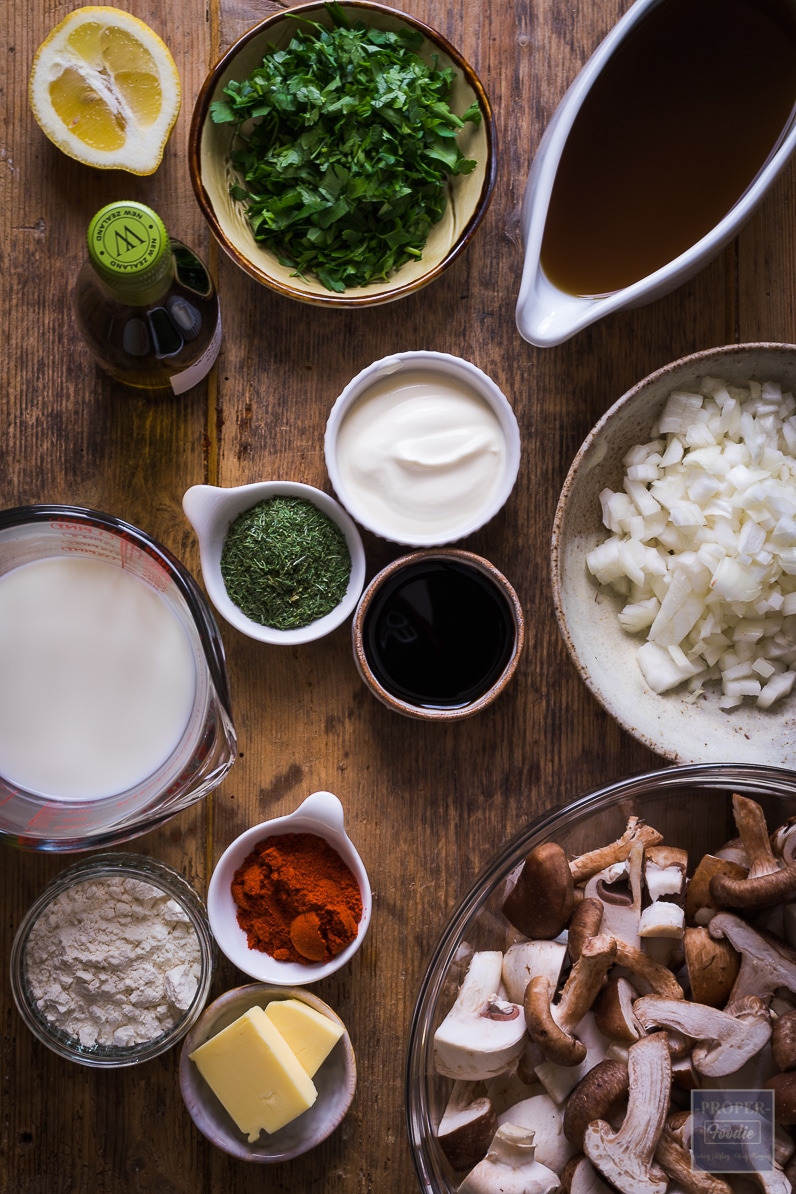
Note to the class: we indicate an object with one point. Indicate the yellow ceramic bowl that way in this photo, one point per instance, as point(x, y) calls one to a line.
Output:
point(211, 172)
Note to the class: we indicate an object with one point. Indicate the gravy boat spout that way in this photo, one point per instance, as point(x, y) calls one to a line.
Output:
point(547, 315)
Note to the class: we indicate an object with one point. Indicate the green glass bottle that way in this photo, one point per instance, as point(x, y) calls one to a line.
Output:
point(145, 304)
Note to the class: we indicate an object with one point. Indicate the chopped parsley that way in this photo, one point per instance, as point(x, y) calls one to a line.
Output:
point(345, 143)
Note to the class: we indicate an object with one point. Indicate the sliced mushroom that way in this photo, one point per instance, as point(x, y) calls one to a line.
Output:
point(512, 1086)
point(684, 1073)
point(783, 1041)
point(587, 921)
point(768, 881)
point(482, 1034)
point(725, 1039)
point(598, 1093)
point(783, 841)
point(591, 863)
point(625, 1157)
point(542, 900)
point(529, 959)
point(621, 903)
point(700, 904)
point(712, 965)
point(750, 821)
point(467, 1126)
point(580, 1177)
point(510, 1167)
point(560, 1080)
point(770, 1181)
point(662, 919)
point(755, 893)
point(766, 963)
point(552, 1027)
point(734, 851)
point(784, 1087)
point(545, 1118)
point(784, 1147)
point(677, 1162)
point(665, 870)
point(613, 1011)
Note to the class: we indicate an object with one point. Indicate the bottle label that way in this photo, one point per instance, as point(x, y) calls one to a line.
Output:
point(180, 382)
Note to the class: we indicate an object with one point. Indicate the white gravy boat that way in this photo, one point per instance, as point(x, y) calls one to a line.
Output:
point(545, 314)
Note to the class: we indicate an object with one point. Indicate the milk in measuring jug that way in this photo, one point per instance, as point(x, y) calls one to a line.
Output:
point(98, 678)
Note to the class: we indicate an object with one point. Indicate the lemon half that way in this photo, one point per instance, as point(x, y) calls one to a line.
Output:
point(105, 90)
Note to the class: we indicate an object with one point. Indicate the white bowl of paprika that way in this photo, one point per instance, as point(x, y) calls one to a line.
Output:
point(289, 901)
point(281, 561)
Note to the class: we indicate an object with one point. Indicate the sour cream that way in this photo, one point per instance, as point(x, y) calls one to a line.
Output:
point(420, 456)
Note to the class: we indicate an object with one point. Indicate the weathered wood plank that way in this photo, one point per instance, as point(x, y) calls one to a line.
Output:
point(426, 806)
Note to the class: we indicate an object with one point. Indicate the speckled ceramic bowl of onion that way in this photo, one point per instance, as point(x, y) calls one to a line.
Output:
point(605, 655)
point(210, 145)
point(320, 814)
point(335, 1081)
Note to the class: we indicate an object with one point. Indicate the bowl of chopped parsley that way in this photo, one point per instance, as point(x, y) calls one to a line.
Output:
point(343, 154)
point(281, 561)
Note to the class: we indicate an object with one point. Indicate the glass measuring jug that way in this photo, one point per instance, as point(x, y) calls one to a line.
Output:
point(206, 748)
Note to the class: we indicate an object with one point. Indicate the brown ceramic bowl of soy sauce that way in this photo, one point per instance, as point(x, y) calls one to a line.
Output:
point(438, 634)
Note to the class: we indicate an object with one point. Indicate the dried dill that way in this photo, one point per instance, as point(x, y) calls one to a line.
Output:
point(285, 563)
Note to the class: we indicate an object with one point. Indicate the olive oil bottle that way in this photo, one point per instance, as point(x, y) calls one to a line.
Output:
point(145, 304)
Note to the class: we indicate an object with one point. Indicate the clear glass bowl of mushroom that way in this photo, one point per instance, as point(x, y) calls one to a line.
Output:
point(625, 949)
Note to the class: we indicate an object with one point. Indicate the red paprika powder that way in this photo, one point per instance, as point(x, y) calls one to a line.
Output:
point(296, 898)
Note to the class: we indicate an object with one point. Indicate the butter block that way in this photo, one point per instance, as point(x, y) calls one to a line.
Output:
point(310, 1034)
point(255, 1074)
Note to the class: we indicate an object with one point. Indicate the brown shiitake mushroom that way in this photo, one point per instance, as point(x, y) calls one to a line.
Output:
point(543, 898)
point(712, 966)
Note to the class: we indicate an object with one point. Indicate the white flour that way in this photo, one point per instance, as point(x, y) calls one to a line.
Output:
point(113, 961)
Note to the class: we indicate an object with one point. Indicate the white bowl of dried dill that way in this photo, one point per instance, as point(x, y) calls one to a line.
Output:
point(281, 561)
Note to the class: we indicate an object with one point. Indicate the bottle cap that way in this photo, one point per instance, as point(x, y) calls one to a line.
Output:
point(128, 241)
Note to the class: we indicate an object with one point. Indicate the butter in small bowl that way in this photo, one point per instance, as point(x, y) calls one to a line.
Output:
point(288, 1035)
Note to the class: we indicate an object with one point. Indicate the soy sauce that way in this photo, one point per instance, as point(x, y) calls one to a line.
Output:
point(675, 128)
point(438, 634)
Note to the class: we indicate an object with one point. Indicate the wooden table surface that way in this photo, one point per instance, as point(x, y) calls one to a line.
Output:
point(426, 805)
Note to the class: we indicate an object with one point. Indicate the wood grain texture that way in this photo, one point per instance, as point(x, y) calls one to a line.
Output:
point(427, 806)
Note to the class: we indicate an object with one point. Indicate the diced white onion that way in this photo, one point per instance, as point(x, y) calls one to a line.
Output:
point(703, 543)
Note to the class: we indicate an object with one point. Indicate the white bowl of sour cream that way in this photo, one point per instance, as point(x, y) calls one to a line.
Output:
point(422, 448)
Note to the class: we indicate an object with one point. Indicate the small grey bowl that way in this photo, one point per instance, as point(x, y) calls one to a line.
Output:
point(335, 1081)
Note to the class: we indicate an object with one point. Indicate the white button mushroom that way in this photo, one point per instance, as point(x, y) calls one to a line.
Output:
point(482, 1034)
point(545, 1118)
point(510, 1167)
